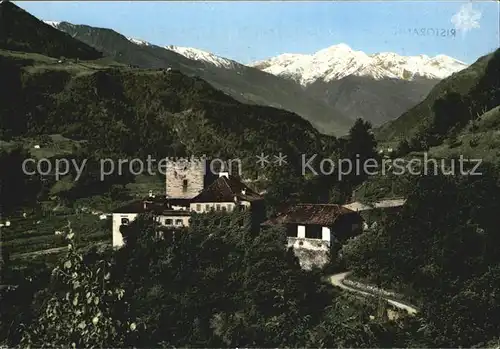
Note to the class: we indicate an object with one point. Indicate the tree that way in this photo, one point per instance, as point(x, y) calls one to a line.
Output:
point(285, 188)
point(449, 257)
point(360, 147)
point(82, 310)
point(403, 148)
point(17, 187)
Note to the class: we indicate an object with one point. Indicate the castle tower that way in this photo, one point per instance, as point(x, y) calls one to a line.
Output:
point(185, 178)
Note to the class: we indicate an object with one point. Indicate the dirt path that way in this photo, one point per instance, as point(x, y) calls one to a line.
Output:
point(338, 280)
point(52, 250)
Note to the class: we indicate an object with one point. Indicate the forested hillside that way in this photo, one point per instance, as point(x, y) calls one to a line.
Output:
point(450, 106)
point(245, 84)
point(128, 112)
point(20, 31)
point(441, 251)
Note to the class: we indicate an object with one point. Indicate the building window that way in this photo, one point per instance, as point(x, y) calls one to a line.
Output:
point(229, 207)
point(125, 221)
point(178, 222)
point(218, 207)
point(168, 222)
point(313, 232)
point(224, 208)
point(198, 207)
point(184, 185)
point(207, 207)
point(241, 208)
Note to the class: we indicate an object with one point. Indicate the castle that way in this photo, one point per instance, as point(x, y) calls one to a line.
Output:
point(190, 186)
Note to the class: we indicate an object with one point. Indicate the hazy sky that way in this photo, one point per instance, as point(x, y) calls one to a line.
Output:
point(249, 31)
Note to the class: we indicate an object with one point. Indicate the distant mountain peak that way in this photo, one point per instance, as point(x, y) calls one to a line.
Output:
point(138, 42)
point(339, 61)
point(54, 24)
point(204, 56)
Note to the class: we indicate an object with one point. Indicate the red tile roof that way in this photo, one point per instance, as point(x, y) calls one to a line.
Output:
point(320, 214)
point(225, 189)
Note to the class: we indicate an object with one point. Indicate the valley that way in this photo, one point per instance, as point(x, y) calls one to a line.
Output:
point(272, 256)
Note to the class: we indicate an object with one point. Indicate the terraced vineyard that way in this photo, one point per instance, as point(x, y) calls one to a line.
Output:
point(35, 234)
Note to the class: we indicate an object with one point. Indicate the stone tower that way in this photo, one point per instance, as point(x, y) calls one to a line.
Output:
point(185, 178)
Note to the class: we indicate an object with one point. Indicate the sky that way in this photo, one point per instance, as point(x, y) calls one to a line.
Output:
point(252, 31)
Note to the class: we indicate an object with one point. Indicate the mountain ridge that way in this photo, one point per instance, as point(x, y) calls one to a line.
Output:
point(378, 98)
point(245, 84)
point(339, 61)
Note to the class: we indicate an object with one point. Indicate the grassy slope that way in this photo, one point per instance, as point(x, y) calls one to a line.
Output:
point(481, 143)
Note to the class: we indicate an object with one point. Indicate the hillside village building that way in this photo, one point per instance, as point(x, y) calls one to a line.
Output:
point(312, 229)
point(190, 187)
point(317, 224)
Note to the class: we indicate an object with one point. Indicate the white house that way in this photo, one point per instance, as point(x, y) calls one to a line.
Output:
point(163, 212)
point(227, 193)
point(313, 228)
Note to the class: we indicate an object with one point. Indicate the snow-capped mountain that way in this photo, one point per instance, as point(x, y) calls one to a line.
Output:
point(52, 23)
point(204, 56)
point(139, 42)
point(194, 54)
point(339, 61)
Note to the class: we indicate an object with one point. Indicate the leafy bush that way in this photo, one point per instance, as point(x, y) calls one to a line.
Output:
point(81, 312)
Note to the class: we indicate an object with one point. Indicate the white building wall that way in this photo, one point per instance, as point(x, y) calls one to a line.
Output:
point(325, 234)
point(308, 244)
point(301, 231)
point(217, 206)
point(117, 222)
point(176, 221)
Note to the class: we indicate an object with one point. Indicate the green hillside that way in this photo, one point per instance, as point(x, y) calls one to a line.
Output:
point(450, 105)
point(245, 84)
point(479, 140)
point(132, 112)
point(20, 31)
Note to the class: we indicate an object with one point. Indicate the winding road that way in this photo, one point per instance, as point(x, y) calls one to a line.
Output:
point(338, 280)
